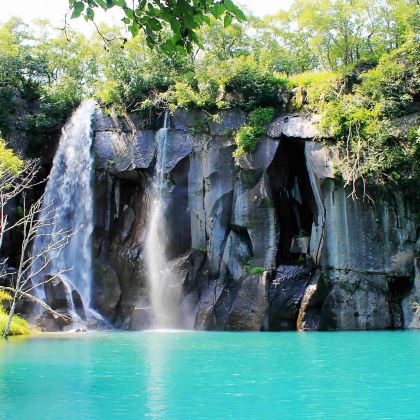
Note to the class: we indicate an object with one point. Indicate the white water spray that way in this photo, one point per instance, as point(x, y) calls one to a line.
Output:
point(69, 192)
point(163, 285)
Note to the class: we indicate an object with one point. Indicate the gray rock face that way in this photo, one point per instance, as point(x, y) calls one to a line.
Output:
point(119, 152)
point(128, 122)
point(269, 241)
point(249, 307)
point(106, 291)
point(262, 158)
point(182, 120)
point(179, 147)
point(366, 250)
point(254, 211)
point(296, 126)
point(230, 119)
point(411, 303)
point(357, 232)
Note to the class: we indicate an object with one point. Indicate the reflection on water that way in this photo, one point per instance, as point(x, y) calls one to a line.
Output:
point(187, 375)
point(156, 363)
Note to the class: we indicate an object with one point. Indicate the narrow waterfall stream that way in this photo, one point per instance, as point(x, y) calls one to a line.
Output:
point(164, 295)
point(69, 193)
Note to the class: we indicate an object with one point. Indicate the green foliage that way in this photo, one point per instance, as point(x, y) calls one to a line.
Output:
point(319, 86)
point(257, 87)
point(8, 160)
point(247, 264)
point(247, 137)
point(4, 296)
point(18, 326)
point(45, 70)
point(182, 18)
point(249, 64)
point(371, 145)
point(257, 270)
point(260, 117)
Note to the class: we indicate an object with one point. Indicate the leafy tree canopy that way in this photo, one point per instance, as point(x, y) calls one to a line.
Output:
point(183, 17)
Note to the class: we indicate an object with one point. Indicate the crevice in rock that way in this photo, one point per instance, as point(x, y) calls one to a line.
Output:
point(399, 288)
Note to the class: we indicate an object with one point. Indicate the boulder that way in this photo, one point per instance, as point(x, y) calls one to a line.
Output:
point(296, 126)
point(250, 305)
point(106, 290)
point(357, 302)
point(285, 294)
point(57, 293)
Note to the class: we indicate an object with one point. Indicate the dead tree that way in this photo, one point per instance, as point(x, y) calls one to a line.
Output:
point(36, 222)
point(12, 185)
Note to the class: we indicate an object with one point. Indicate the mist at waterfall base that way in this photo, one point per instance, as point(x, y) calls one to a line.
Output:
point(68, 201)
point(210, 375)
point(165, 288)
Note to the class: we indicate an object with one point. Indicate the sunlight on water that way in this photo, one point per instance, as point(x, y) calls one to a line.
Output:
point(190, 375)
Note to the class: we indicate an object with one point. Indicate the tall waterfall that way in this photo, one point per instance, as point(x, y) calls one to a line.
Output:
point(164, 296)
point(69, 193)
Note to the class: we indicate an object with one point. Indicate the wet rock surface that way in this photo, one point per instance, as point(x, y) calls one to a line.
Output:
point(269, 241)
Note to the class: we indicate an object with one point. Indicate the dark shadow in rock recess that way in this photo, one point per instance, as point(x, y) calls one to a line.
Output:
point(292, 195)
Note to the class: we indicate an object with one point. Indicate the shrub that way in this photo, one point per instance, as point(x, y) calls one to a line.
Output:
point(18, 326)
point(371, 144)
point(4, 296)
point(257, 87)
point(8, 160)
point(248, 135)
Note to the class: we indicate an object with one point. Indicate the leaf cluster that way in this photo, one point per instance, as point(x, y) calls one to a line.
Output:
point(247, 137)
point(182, 18)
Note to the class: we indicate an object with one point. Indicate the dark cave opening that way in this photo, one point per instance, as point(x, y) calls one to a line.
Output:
point(293, 199)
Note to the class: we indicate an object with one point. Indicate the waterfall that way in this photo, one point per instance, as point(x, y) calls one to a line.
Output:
point(164, 295)
point(69, 193)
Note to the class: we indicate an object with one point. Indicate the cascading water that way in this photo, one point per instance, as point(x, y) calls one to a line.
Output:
point(164, 293)
point(69, 194)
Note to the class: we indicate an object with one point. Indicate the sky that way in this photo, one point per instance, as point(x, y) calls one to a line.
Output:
point(54, 11)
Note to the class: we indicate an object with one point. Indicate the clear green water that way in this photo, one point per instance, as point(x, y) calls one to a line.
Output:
point(363, 375)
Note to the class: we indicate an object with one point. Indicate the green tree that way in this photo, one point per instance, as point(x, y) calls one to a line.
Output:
point(183, 17)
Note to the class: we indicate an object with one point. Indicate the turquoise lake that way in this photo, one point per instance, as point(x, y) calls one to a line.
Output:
point(197, 375)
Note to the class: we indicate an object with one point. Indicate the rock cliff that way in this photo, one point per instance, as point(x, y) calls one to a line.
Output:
point(271, 241)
